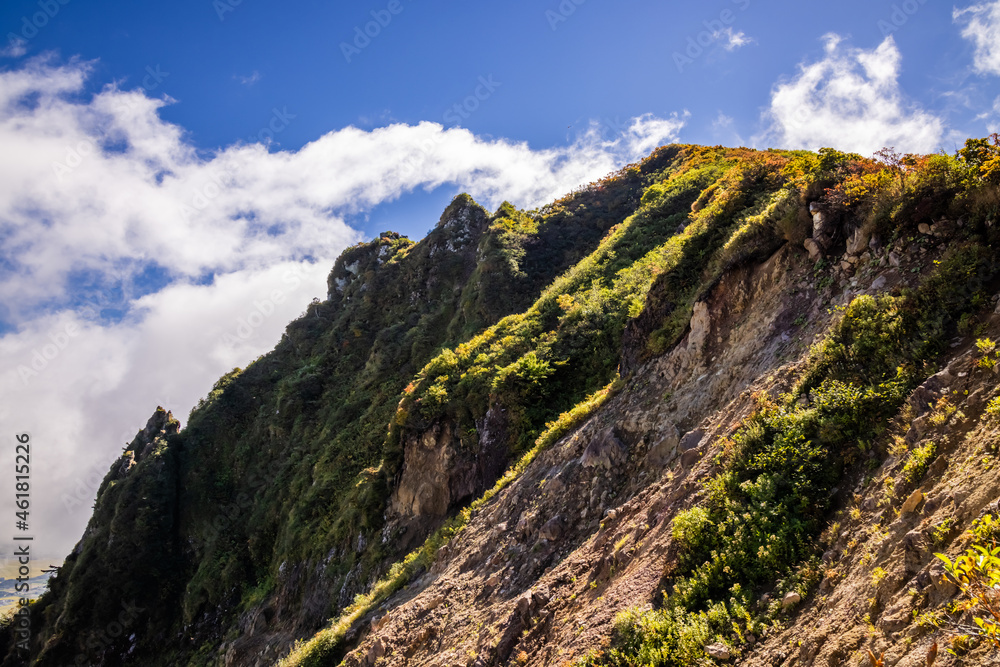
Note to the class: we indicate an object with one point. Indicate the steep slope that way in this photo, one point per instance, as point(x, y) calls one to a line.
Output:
point(685, 519)
point(712, 380)
point(270, 500)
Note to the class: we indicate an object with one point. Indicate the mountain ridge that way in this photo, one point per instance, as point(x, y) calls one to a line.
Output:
point(567, 374)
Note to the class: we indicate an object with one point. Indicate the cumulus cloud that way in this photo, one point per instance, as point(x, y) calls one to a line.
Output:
point(98, 194)
point(851, 100)
point(981, 26)
point(113, 181)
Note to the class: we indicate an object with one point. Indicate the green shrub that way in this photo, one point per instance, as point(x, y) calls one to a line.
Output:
point(993, 408)
point(768, 505)
point(918, 461)
point(690, 525)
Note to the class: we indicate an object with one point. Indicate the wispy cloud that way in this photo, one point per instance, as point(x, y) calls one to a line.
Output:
point(732, 40)
point(16, 47)
point(992, 117)
point(981, 26)
point(249, 80)
point(724, 130)
point(850, 99)
point(97, 193)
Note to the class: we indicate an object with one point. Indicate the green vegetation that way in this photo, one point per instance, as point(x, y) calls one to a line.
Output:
point(290, 461)
point(768, 505)
point(977, 574)
point(993, 408)
point(918, 462)
point(706, 210)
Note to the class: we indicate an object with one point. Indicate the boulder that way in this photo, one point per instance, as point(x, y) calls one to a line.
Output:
point(911, 503)
point(376, 651)
point(822, 229)
point(915, 551)
point(718, 651)
point(701, 325)
point(857, 243)
point(553, 529)
point(815, 252)
point(691, 440)
point(665, 449)
point(790, 600)
point(939, 465)
point(690, 457)
point(604, 450)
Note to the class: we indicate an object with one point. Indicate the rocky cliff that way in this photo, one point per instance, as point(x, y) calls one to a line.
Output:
point(721, 407)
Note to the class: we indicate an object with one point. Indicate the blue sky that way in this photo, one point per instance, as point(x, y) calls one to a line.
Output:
point(177, 178)
point(559, 66)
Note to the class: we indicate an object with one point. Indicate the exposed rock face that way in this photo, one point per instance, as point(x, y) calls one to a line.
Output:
point(492, 457)
point(857, 243)
point(822, 232)
point(555, 542)
point(436, 474)
point(159, 426)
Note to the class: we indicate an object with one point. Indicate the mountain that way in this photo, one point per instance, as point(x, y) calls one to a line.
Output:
point(723, 405)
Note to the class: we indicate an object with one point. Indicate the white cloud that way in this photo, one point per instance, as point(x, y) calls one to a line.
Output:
point(248, 80)
point(117, 182)
point(991, 117)
point(724, 130)
point(16, 47)
point(850, 100)
point(94, 190)
point(981, 26)
point(648, 132)
point(83, 390)
point(732, 40)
